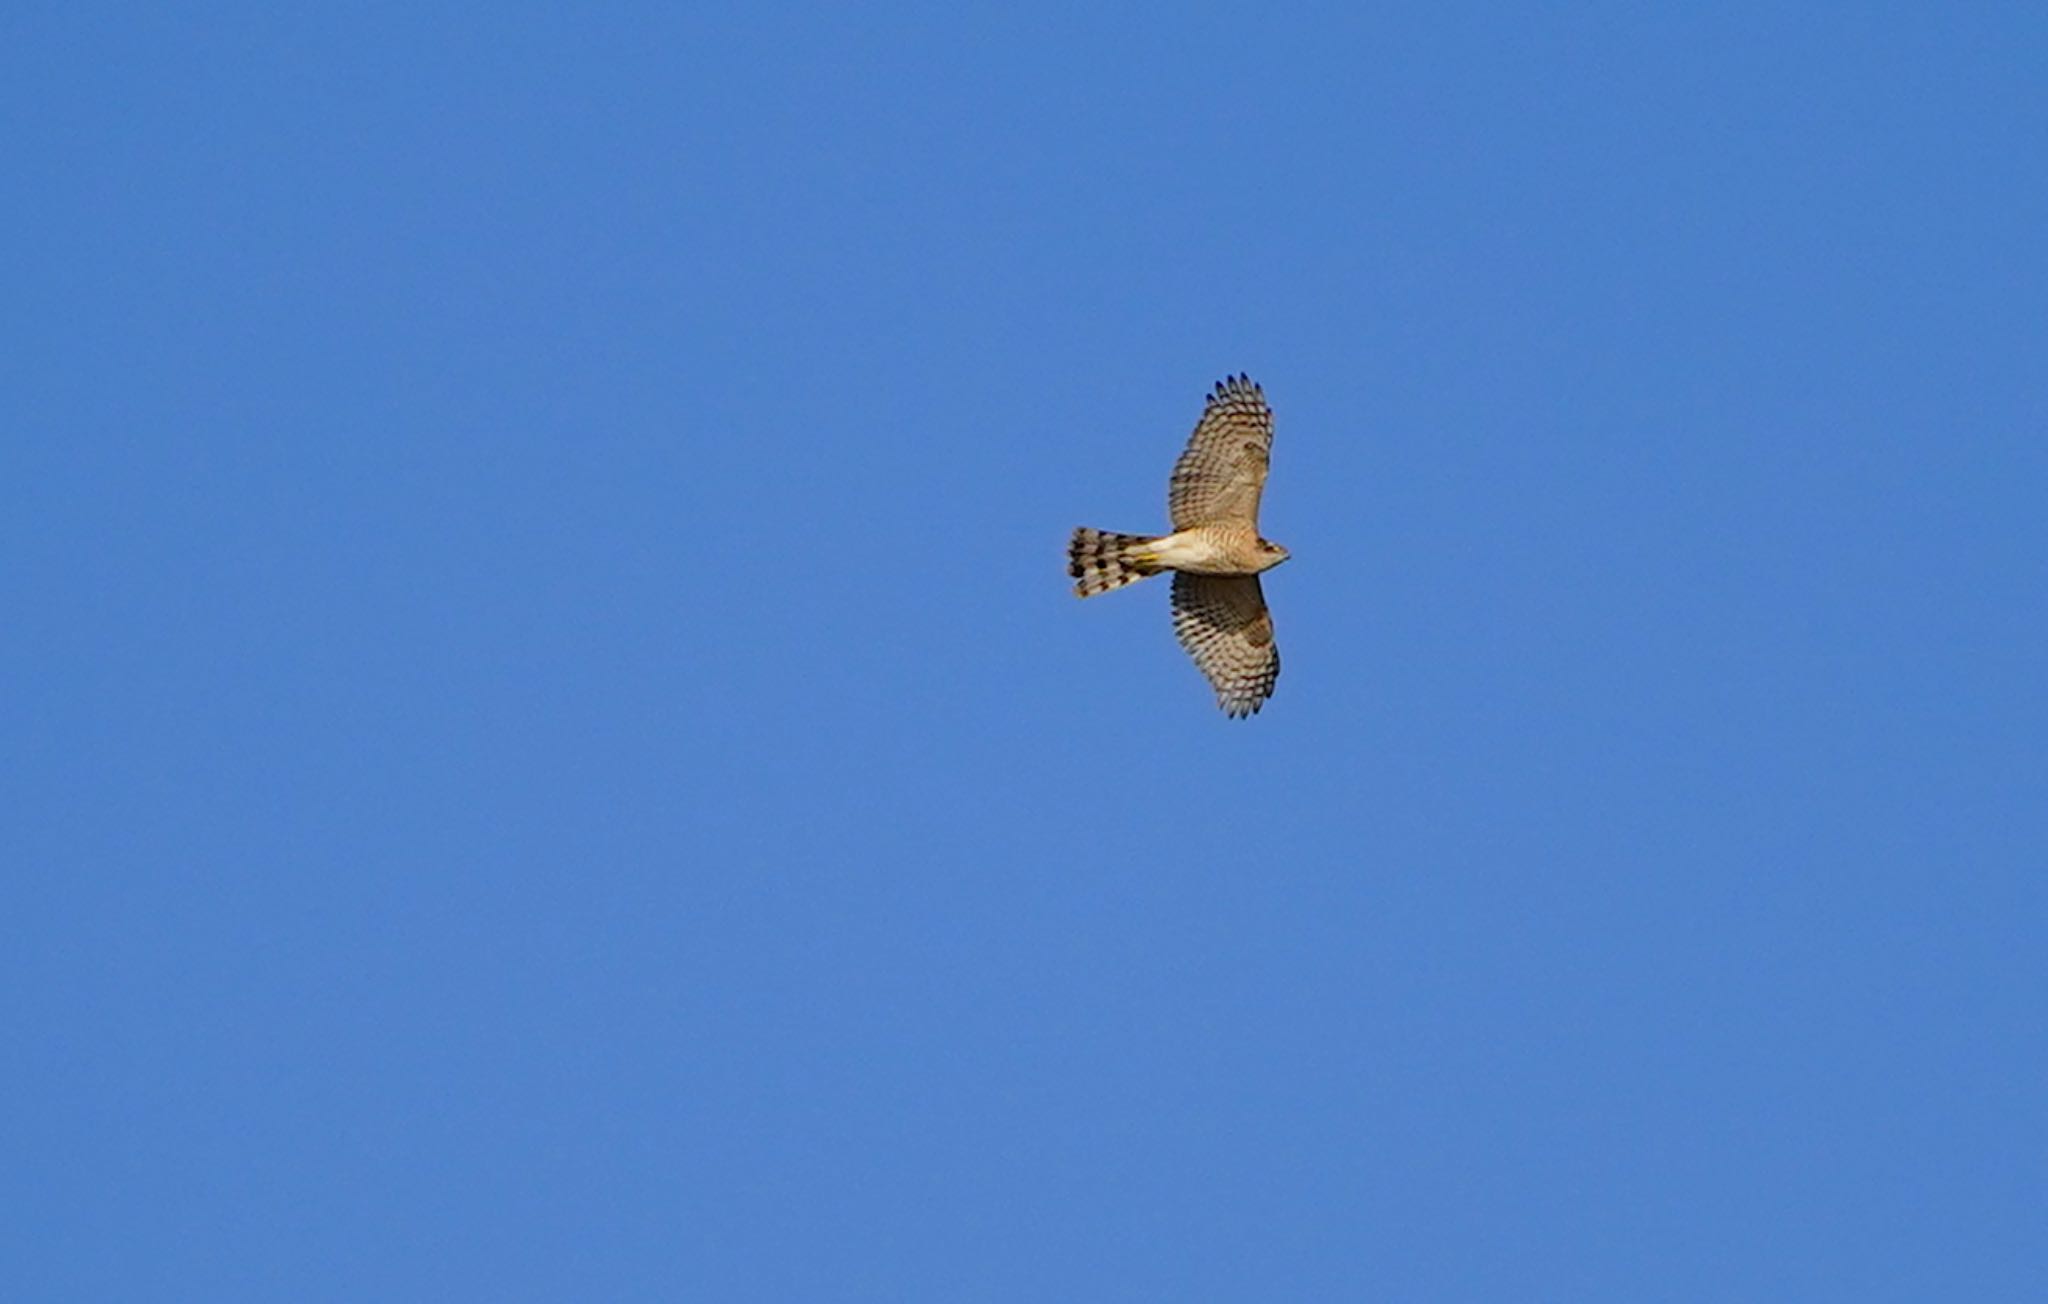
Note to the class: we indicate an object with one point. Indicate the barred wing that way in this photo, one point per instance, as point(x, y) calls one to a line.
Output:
point(1223, 623)
point(1223, 469)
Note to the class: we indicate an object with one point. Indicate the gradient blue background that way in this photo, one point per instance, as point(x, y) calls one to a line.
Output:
point(550, 754)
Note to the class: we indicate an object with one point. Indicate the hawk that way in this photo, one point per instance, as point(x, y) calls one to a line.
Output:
point(1215, 552)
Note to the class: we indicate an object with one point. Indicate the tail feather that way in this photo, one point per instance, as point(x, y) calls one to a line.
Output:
point(1100, 561)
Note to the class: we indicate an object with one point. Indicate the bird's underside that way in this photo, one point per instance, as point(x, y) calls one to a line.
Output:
point(1214, 550)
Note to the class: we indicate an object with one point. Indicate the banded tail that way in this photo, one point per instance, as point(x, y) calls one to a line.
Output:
point(1100, 561)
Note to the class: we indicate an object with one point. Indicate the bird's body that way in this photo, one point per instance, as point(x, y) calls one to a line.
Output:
point(1215, 550)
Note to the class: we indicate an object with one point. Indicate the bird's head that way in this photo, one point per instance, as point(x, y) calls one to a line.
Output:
point(1274, 553)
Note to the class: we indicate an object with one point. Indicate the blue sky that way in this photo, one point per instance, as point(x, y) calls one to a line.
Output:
point(551, 755)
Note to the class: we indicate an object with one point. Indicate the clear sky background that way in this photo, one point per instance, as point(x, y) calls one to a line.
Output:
point(550, 755)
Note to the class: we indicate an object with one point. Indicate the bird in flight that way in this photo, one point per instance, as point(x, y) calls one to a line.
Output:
point(1214, 551)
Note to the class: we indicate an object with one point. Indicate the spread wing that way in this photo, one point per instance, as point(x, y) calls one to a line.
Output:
point(1223, 469)
point(1223, 623)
